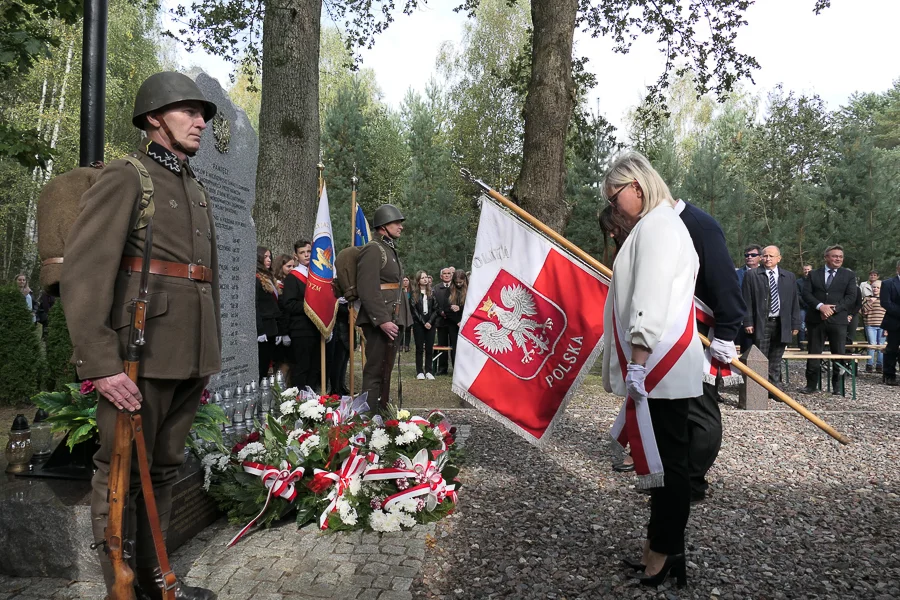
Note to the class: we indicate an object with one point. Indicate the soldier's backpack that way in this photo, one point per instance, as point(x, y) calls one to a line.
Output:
point(59, 205)
point(344, 282)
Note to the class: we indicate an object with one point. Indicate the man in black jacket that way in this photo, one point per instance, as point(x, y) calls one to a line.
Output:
point(306, 367)
point(442, 300)
point(890, 301)
point(773, 315)
point(830, 296)
point(717, 287)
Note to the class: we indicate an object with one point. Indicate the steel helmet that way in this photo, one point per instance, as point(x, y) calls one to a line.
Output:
point(386, 213)
point(161, 89)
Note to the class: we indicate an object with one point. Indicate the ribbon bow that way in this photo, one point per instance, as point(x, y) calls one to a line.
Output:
point(280, 482)
point(352, 467)
point(432, 484)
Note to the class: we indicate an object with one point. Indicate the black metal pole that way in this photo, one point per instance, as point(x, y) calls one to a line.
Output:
point(93, 81)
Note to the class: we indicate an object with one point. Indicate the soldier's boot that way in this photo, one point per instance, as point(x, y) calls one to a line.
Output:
point(150, 581)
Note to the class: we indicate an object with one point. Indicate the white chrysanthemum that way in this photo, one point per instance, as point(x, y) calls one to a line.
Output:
point(290, 393)
point(295, 434)
point(309, 444)
point(311, 409)
point(213, 461)
point(380, 439)
point(409, 432)
point(382, 521)
point(406, 505)
point(347, 513)
point(287, 408)
point(403, 414)
point(251, 449)
point(355, 485)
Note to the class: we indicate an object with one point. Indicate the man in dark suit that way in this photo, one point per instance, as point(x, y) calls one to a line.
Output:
point(830, 295)
point(717, 288)
point(751, 263)
point(442, 305)
point(890, 301)
point(773, 309)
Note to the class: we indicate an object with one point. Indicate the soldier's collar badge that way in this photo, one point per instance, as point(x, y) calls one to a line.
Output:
point(164, 156)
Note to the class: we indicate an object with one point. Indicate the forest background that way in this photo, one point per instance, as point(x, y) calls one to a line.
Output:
point(780, 169)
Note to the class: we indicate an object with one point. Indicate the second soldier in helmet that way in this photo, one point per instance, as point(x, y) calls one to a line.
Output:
point(384, 311)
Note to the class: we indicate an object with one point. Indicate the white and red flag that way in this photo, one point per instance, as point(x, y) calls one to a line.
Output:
point(319, 302)
point(531, 327)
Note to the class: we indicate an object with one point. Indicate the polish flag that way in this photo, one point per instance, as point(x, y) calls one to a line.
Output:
point(531, 328)
point(319, 302)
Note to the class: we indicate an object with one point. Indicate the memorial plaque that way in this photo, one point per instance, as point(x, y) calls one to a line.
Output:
point(226, 165)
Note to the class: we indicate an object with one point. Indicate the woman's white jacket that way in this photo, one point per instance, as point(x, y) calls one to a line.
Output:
point(650, 301)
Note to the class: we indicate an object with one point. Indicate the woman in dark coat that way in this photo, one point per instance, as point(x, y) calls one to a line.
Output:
point(268, 315)
point(424, 312)
point(458, 289)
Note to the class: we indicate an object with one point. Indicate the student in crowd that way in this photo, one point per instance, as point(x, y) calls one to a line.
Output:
point(873, 315)
point(22, 284)
point(457, 301)
point(442, 302)
point(268, 314)
point(424, 314)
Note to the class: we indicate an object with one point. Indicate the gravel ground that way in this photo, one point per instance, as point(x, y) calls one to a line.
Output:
point(791, 512)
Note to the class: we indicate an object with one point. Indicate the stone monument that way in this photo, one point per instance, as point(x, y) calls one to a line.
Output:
point(226, 165)
point(753, 396)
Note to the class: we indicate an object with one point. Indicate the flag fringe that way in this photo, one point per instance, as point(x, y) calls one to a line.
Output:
point(325, 330)
point(729, 381)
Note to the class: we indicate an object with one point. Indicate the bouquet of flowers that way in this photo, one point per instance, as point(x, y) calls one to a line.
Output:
point(323, 457)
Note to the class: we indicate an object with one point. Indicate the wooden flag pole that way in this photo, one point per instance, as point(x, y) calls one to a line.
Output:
point(607, 272)
point(321, 168)
point(353, 182)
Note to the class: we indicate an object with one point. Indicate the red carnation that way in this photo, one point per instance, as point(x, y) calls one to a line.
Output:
point(253, 437)
point(205, 396)
point(319, 485)
point(391, 423)
point(238, 447)
point(87, 387)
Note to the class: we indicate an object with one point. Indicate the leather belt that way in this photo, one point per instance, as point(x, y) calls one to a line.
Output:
point(773, 318)
point(170, 269)
point(390, 286)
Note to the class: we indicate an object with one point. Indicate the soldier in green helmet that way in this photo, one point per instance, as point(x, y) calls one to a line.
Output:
point(101, 274)
point(384, 311)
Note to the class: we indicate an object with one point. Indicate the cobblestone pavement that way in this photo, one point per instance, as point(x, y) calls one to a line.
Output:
point(280, 563)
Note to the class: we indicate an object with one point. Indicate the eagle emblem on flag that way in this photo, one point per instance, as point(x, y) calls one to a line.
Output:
point(515, 325)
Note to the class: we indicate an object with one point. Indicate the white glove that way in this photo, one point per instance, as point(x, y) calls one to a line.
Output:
point(330, 335)
point(262, 339)
point(342, 300)
point(285, 340)
point(634, 382)
point(277, 340)
point(722, 351)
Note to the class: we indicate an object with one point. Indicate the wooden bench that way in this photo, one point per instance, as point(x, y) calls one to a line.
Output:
point(438, 350)
point(829, 361)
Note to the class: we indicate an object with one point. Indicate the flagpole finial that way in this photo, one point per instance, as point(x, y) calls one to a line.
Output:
point(354, 180)
point(321, 165)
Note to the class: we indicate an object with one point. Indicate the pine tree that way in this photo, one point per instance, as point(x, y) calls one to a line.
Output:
point(20, 355)
point(60, 370)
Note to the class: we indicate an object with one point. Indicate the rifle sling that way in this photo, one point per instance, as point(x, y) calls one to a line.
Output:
point(168, 580)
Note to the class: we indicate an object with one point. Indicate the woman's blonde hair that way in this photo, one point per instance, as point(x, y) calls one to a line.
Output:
point(634, 166)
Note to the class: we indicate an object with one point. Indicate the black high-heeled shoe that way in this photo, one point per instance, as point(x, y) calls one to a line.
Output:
point(634, 565)
point(675, 565)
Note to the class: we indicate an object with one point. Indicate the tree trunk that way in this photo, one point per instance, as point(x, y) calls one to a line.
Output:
point(541, 186)
point(286, 176)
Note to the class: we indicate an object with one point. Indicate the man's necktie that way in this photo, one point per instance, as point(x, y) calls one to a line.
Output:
point(773, 292)
point(830, 277)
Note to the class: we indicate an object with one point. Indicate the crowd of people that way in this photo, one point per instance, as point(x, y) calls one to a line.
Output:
point(289, 341)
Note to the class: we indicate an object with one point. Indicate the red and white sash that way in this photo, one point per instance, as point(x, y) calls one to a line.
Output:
point(633, 426)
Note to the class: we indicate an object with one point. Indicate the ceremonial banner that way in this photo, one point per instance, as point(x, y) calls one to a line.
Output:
point(319, 302)
point(531, 327)
point(361, 233)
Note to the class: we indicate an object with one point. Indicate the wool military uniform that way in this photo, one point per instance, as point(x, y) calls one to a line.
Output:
point(183, 330)
point(378, 277)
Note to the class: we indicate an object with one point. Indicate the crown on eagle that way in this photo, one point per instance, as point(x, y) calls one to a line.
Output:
point(488, 305)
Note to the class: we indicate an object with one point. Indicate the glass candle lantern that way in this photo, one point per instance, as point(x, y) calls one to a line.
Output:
point(41, 436)
point(18, 449)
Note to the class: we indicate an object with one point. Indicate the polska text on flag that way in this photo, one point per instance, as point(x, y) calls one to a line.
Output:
point(531, 328)
point(319, 302)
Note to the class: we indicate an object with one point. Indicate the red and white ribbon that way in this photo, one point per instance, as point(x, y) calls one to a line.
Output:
point(434, 486)
point(713, 368)
point(352, 467)
point(280, 483)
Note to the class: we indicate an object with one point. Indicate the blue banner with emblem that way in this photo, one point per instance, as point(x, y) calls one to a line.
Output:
point(319, 302)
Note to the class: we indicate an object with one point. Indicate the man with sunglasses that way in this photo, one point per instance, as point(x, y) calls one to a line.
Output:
point(752, 255)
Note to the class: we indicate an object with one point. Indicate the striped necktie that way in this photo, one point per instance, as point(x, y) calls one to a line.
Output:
point(773, 294)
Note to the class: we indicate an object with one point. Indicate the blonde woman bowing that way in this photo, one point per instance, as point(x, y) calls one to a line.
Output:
point(652, 355)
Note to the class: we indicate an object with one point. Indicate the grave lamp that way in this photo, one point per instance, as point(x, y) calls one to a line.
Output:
point(18, 448)
point(41, 435)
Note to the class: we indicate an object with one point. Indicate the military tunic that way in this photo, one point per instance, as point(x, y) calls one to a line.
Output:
point(183, 329)
point(378, 266)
